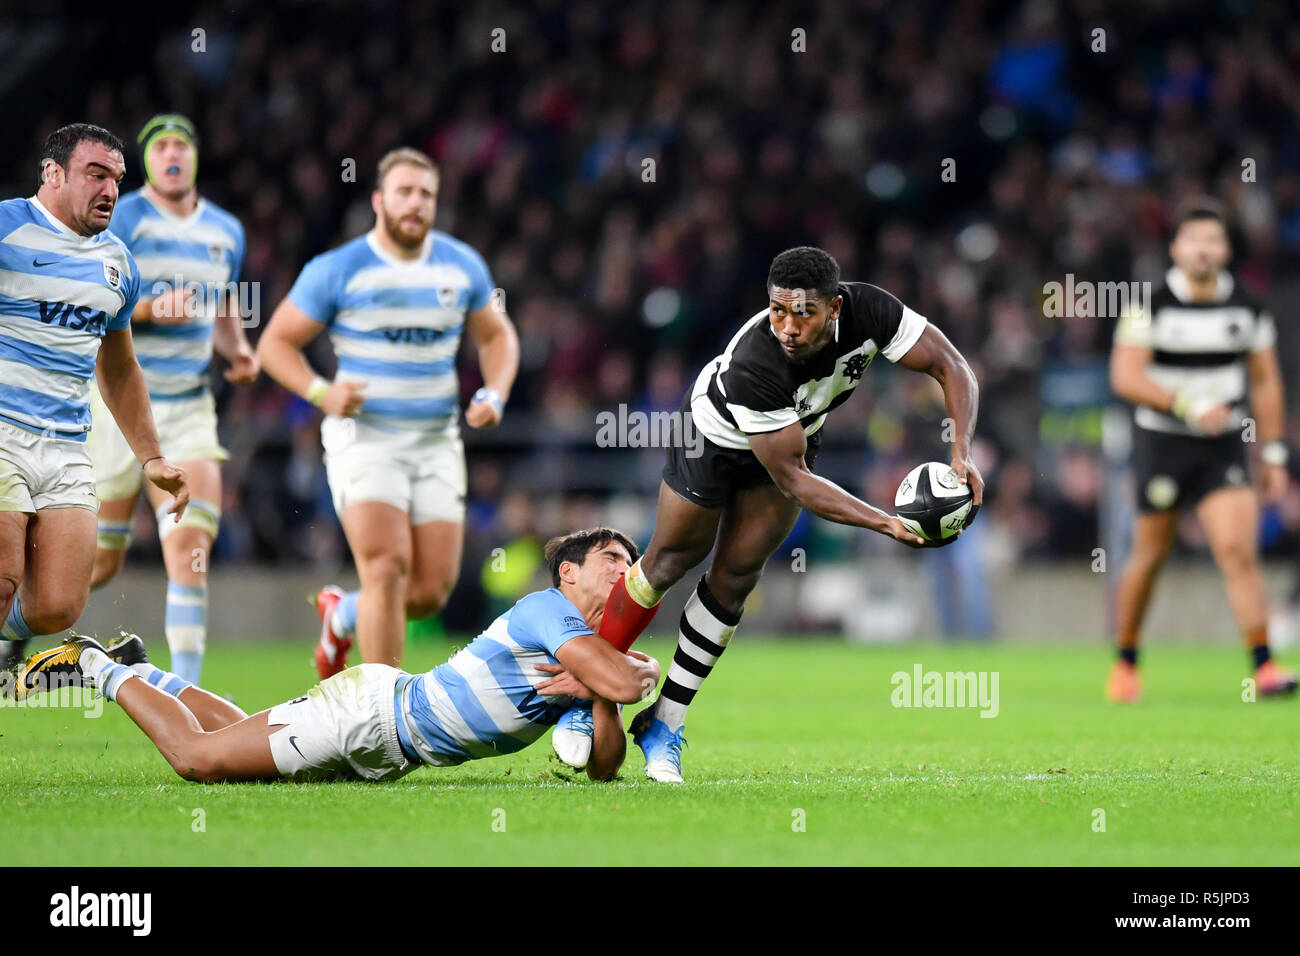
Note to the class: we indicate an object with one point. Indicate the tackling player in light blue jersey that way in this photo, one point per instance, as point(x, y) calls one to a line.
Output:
point(375, 722)
point(189, 252)
point(67, 288)
point(395, 303)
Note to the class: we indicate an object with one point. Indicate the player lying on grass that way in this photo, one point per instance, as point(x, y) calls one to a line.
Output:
point(375, 722)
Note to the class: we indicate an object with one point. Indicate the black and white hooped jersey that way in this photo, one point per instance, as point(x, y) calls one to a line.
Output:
point(1198, 347)
point(753, 387)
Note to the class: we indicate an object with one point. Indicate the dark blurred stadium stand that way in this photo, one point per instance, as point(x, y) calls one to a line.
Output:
point(1067, 161)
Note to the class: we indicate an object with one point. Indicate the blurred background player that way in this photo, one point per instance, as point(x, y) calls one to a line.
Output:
point(189, 252)
point(67, 288)
point(760, 407)
point(374, 722)
point(1190, 367)
point(395, 302)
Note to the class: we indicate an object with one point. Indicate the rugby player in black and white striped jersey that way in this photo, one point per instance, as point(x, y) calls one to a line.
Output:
point(1201, 362)
point(759, 408)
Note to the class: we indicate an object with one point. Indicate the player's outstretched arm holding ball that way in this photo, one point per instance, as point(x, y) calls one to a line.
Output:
point(782, 452)
point(937, 357)
point(121, 383)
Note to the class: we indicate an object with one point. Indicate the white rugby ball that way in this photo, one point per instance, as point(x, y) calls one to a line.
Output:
point(932, 502)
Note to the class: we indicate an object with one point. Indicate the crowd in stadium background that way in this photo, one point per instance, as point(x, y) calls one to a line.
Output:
point(1067, 160)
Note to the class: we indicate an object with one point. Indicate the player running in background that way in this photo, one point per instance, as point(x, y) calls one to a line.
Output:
point(759, 407)
point(1189, 368)
point(374, 722)
point(394, 302)
point(67, 288)
point(189, 252)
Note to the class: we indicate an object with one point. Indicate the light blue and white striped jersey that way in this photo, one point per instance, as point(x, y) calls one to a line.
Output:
point(397, 325)
point(206, 248)
point(59, 293)
point(482, 702)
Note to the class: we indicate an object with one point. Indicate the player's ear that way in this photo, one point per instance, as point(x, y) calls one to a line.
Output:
point(377, 202)
point(568, 572)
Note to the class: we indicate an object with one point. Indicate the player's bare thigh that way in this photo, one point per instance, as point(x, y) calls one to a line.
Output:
point(242, 751)
point(683, 536)
point(59, 557)
point(1153, 536)
point(379, 535)
point(13, 551)
point(754, 523)
point(1230, 517)
point(436, 548)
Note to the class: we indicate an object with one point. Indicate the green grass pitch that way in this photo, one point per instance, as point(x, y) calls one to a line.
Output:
point(784, 733)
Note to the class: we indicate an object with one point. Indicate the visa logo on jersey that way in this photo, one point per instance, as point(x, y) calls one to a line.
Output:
point(415, 336)
point(78, 318)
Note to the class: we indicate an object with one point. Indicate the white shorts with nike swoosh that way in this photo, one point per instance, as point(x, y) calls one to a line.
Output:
point(345, 728)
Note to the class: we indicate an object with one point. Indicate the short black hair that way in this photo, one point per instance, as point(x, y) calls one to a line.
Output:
point(576, 545)
point(63, 142)
point(805, 267)
point(1200, 207)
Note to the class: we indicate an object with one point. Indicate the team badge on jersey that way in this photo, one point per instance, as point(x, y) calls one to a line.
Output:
point(448, 297)
point(854, 366)
point(216, 252)
point(113, 276)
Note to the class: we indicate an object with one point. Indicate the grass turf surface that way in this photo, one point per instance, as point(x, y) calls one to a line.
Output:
point(1191, 776)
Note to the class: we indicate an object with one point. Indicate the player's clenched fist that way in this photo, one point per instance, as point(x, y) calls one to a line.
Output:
point(343, 398)
point(172, 480)
point(244, 368)
point(485, 409)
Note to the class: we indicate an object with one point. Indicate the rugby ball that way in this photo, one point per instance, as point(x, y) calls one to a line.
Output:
point(932, 502)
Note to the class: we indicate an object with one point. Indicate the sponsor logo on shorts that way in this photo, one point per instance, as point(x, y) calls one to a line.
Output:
point(1162, 491)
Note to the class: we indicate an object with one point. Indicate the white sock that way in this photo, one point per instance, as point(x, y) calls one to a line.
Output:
point(104, 672)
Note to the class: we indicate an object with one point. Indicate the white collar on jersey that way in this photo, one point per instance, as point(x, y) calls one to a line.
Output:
point(167, 214)
point(1178, 284)
point(378, 250)
point(57, 223)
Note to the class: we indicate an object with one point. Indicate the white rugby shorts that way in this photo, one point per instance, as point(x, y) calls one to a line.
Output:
point(345, 728)
point(422, 473)
point(39, 472)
